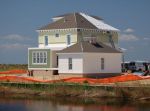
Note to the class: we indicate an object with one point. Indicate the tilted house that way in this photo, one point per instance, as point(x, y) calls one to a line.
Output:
point(65, 31)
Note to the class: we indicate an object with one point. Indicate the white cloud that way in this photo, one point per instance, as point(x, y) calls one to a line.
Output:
point(128, 37)
point(146, 38)
point(15, 46)
point(15, 37)
point(131, 48)
point(129, 30)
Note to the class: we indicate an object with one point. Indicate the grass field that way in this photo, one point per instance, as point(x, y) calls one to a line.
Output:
point(30, 90)
point(6, 67)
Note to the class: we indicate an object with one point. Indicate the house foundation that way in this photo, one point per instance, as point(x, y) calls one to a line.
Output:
point(44, 74)
point(91, 75)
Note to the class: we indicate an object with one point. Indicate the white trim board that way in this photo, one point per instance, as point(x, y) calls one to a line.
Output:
point(42, 68)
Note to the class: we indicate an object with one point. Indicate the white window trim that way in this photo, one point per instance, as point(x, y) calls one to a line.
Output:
point(39, 57)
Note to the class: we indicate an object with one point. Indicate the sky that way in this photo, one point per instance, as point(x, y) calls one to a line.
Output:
point(19, 20)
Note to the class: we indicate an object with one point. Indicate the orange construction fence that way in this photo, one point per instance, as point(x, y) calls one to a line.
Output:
point(122, 78)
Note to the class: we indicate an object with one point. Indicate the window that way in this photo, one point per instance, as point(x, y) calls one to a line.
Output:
point(102, 63)
point(70, 63)
point(46, 40)
point(68, 39)
point(57, 61)
point(45, 57)
point(34, 57)
point(39, 57)
point(56, 35)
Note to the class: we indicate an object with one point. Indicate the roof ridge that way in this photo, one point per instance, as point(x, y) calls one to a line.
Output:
point(75, 19)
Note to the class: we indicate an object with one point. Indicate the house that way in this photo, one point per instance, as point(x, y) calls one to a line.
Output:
point(65, 31)
point(85, 59)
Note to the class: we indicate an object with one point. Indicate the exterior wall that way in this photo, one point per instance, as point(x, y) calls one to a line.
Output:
point(54, 59)
point(76, 36)
point(101, 36)
point(77, 63)
point(60, 41)
point(92, 62)
point(44, 66)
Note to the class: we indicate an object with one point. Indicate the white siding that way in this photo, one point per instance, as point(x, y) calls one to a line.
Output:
point(92, 62)
point(55, 46)
point(77, 63)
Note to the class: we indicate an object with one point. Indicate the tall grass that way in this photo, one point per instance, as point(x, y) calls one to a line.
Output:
point(5, 67)
point(79, 90)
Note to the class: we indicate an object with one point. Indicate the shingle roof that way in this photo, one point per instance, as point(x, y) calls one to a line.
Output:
point(78, 20)
point(87, 47)
point(73, 20)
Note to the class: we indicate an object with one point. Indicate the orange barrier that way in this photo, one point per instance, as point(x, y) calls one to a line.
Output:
point(122, 78)
point(18, 79)
point(15, 71)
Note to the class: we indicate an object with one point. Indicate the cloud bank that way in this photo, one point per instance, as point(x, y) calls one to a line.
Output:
point(15, 46)
point(15, 37)
point(129, 30)
point(128, 37)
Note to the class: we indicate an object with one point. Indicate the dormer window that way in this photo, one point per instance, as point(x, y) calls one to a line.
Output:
point(56, 35)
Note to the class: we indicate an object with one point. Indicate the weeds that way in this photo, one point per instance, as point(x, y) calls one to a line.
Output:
point(78, 90)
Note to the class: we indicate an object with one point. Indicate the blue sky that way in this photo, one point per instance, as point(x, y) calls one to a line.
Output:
point(20, 18)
